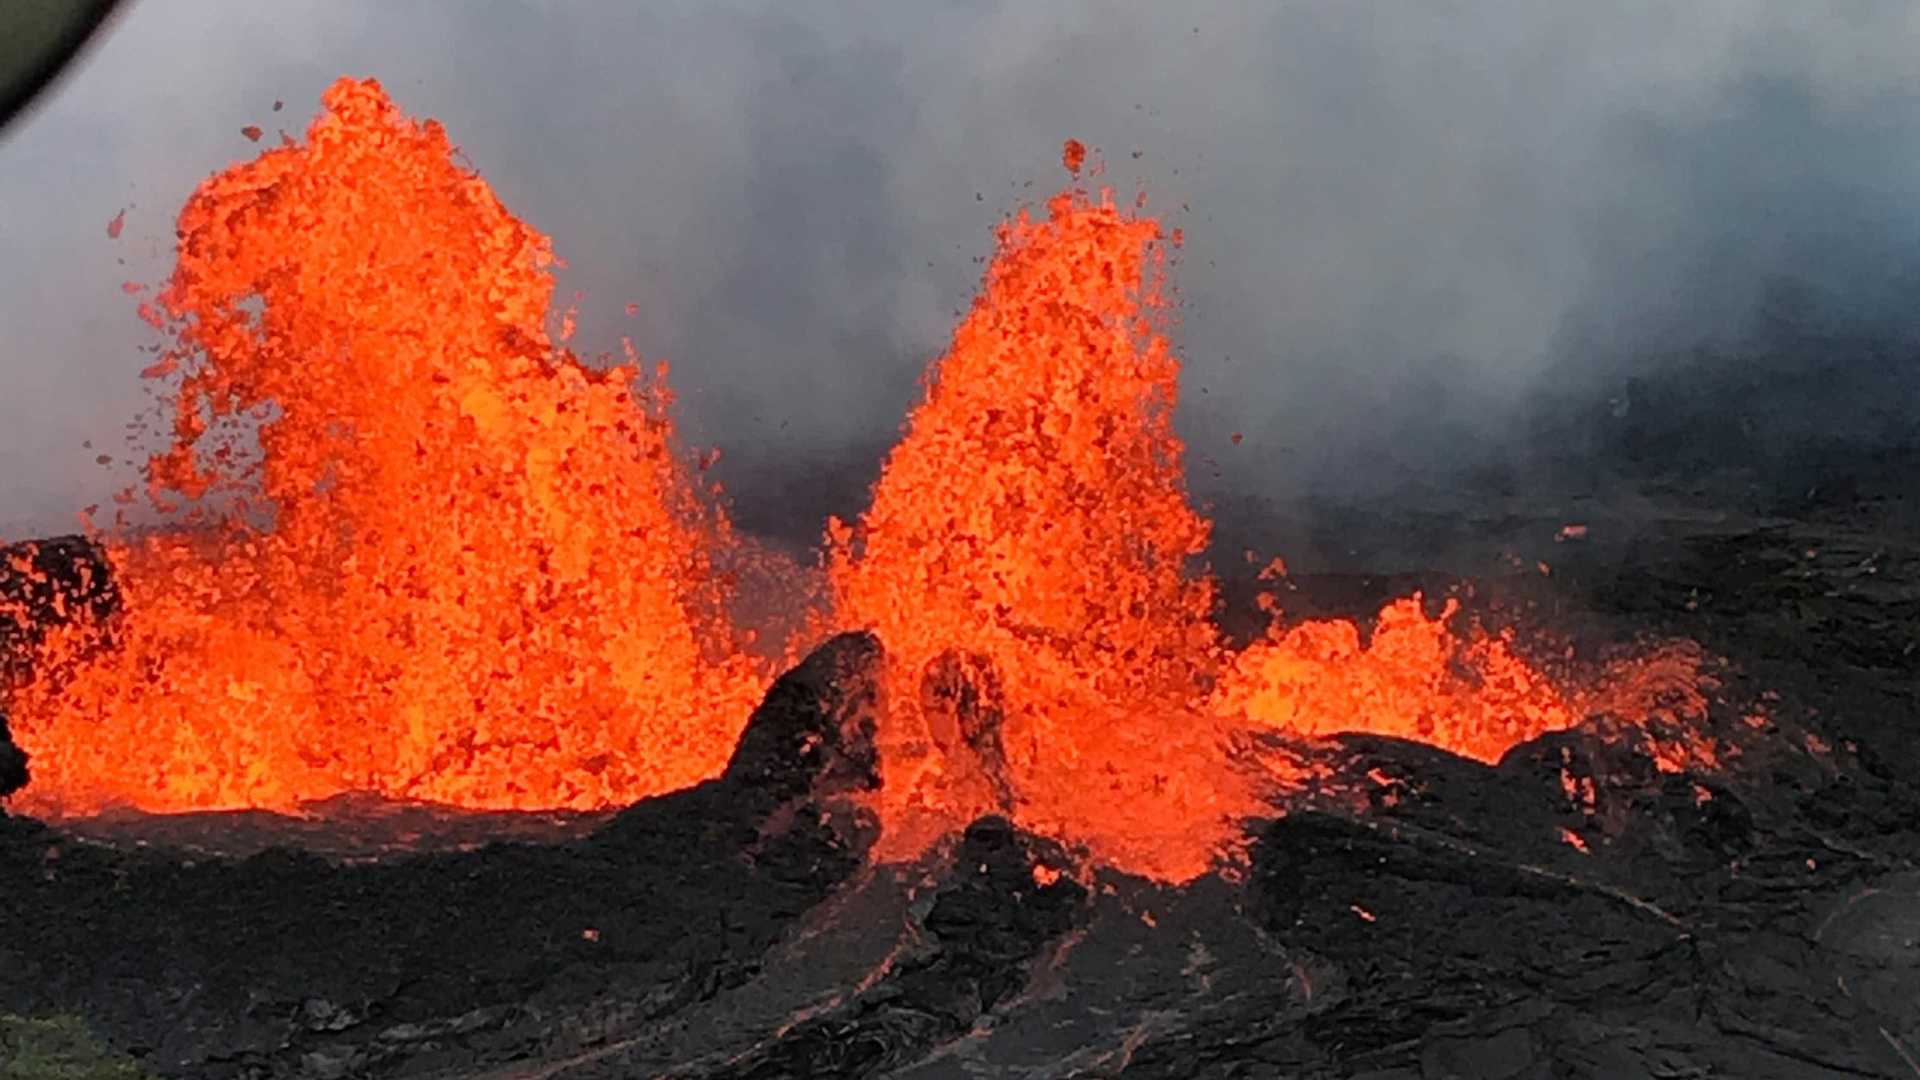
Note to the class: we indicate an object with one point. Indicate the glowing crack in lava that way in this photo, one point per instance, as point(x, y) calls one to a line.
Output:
point(463, 566)
point(485, 581)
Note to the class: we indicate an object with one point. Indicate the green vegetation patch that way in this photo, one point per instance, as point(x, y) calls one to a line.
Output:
point(60, 1048)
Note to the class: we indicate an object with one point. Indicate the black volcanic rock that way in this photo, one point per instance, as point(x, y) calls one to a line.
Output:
point(814, 732)
point(13, 762)
point(985, 922)
point(284, 964)
point(1574, 911)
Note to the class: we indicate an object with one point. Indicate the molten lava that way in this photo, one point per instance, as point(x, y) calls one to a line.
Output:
point(433, 555)
point(1414, 679)
point(481, 575)
point(1035, 516)
point(1033, 529)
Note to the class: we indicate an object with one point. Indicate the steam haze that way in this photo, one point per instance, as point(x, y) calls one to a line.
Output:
point(1406, 221)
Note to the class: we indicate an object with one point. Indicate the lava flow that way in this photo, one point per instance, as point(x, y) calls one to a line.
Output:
point(463, 566)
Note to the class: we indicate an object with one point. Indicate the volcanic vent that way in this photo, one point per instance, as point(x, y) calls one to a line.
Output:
point(405, 542)
point(426, 551)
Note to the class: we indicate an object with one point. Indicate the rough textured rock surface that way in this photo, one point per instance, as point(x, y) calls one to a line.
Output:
point(978, 930)
point(283, 964)
point(1572, 912)
point(13, 762)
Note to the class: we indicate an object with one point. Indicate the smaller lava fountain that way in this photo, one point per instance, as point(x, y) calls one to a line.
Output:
point(431, 554)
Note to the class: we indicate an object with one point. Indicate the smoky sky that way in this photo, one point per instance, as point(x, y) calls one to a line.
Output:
point(1401, 221)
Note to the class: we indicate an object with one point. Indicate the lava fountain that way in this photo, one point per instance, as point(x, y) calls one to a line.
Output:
point(1033, 523)
point(1030, 560)
point(426, 551)
point(483, 577)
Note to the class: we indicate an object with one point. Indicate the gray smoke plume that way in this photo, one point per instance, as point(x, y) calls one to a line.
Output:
point(1405, 224)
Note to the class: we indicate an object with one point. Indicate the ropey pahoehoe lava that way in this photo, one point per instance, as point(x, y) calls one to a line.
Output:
point(419, 547)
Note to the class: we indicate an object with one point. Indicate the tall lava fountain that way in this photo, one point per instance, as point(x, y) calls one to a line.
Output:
point(484, 578)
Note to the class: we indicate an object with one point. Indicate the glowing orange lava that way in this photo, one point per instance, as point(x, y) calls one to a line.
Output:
point(1035, 515)
point(1413, 678)
point(438, 557)
point(1034, 524)
point(486, 579)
